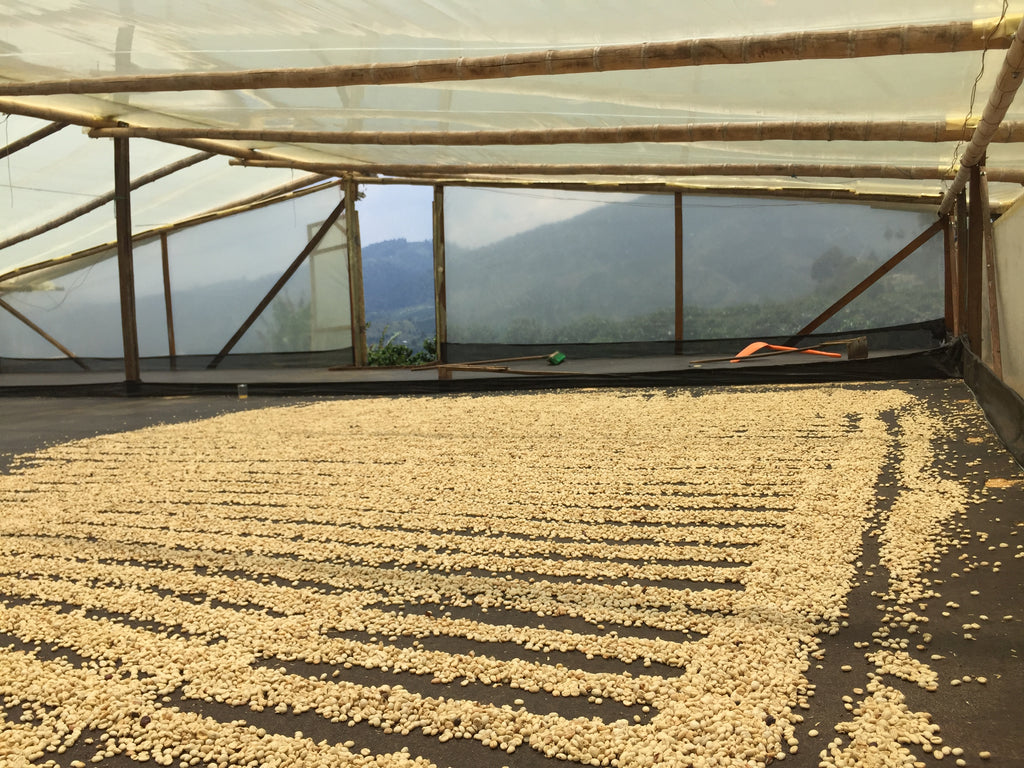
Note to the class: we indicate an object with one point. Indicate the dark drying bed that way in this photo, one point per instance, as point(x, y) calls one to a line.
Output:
point(977, 718)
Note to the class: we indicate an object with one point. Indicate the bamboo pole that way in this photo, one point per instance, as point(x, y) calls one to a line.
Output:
point(868, 281)
point(276, 288)
point(357, 295)
point(771, 130)
point(288, 191)
point(961, 263)
point(948, 280)
point(53, 114)
point(991, 283)
point(64, 350)
point(30, 139)
point(440, 285)
point(982, 34)
point(975, 259)
point(102, 200)
point(788, 170)
point(165, 263)
point(678, 211)
point(668, 187)
point(125, 263)
point(999, 101)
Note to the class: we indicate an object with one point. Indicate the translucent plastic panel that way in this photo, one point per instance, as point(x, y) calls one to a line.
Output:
point(396, 228)
point(220, 271)
point(766, 268)
point(550, 267)
point(80, 309)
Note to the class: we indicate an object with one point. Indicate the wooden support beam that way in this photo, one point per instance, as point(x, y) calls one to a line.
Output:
point(294, 189)
point(948, 272)
point(168, 304)
point(276, 288)
point(1007, 82)
point(102, 200)
point(440, 285)
point(671, 186)
point(678, 210)
point(759, 130)
point(30, 139)
point(53, 114)
point(961, 263)
point(785, 170)
point(64, 350)
point(868, 281)
point(975, 259)
point(972, 35)
point(991, 284)
point(360, 351)
point(125, 262)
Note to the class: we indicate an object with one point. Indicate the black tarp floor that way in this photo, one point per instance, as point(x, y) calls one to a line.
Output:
point(975, 578)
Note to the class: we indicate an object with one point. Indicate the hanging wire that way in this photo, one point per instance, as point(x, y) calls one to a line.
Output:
point(974, 92)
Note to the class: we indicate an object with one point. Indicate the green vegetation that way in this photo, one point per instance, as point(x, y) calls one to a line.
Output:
point(385, 352)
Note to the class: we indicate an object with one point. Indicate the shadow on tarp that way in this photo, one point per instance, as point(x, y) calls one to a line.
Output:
point(1003, 407)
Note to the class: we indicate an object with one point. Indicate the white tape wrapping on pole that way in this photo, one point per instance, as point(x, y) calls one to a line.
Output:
point(1009, 80)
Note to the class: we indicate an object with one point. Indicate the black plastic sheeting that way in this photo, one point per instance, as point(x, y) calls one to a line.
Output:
point(1003, 407)
point(260, 360)
point(939, 363)
point(914, 336)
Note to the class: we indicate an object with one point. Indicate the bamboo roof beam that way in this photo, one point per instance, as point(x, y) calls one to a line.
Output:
point(761, 130)
point(976, 35)
point(30, 139)
point(999, 101)
point(102, 200)
point(298, 188)
point(768, 190)
point(815, 170)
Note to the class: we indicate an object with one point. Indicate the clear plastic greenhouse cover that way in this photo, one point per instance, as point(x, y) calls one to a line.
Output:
point(90, 38)
point(547, 267)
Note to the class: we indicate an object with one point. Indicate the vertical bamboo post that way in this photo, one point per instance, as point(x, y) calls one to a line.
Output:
point(125, 264)
point(355, 276)
point(440, 288)
point(975, 256)
point(166, 264)
point(679, 272)
point(949, 259)
point(961, 263)
point(990, 275)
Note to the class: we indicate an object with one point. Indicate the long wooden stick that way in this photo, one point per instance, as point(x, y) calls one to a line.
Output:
point(292, 268)
point(64, 350)
point(761, 130)
point(102, 200)
point(1007, 82)
point(991, 284)
point(788, 46)
point(125, 261)
point(870, 280)
point(293, 189)
point(811, 170)
point(30, 139)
